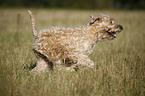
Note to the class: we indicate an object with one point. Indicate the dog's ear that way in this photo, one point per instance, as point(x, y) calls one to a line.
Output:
point(92, 20)
point(95, 19)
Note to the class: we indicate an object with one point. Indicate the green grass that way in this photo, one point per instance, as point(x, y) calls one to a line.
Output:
point(119, 64)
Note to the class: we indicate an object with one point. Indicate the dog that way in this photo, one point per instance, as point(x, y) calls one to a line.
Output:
point(58, 48)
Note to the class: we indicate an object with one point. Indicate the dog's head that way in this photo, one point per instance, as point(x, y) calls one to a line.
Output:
point(105, 27)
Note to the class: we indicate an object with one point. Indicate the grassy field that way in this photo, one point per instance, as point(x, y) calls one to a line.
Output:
point(119, 64)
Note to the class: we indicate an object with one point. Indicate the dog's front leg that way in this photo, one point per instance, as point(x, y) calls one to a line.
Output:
point(83, 61)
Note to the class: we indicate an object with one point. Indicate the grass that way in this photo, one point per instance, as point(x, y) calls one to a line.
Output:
point(119, 64)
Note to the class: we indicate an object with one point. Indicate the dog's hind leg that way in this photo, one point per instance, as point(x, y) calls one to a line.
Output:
point(43, 63)
point(43, 66)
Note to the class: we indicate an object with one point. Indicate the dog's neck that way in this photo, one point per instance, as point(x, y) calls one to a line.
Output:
point(91, 32)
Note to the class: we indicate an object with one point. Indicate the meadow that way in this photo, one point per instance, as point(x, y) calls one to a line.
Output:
point(119, 64)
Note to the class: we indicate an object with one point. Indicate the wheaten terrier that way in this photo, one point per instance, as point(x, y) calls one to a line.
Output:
point(58, 48)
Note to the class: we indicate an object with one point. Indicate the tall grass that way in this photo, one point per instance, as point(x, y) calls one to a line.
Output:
point(119, 64)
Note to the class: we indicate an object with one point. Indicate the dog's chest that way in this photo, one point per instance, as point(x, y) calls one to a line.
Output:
point(88, 48)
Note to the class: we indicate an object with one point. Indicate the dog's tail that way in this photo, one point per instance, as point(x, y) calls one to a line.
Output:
point(33, 24)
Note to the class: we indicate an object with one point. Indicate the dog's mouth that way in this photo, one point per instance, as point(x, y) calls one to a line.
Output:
point(113, 32)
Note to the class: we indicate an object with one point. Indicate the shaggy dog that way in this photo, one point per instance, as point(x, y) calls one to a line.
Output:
point(68, 48)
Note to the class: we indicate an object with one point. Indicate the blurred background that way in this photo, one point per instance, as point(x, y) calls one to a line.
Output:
point(76, 4)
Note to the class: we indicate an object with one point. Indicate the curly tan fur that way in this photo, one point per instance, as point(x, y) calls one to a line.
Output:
point(69, 48)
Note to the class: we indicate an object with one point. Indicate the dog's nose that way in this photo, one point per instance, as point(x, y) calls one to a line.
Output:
point(120, 27)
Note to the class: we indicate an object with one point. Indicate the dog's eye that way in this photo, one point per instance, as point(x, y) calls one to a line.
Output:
point(112, 22)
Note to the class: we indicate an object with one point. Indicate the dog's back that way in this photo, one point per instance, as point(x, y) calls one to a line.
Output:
point(58, 42)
